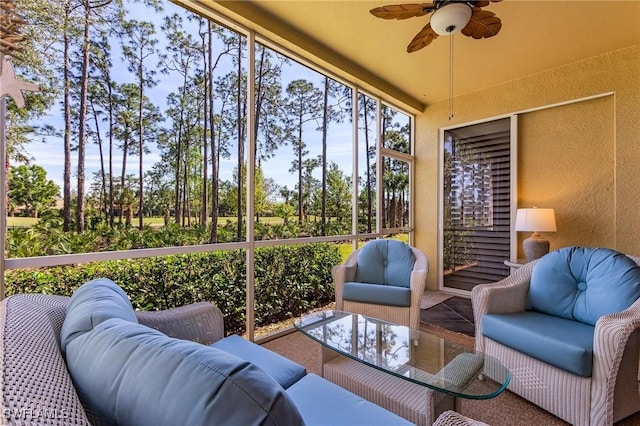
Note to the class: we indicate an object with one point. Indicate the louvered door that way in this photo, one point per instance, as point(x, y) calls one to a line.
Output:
point(476, 204)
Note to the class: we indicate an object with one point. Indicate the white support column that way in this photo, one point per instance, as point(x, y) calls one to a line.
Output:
point(513, 252)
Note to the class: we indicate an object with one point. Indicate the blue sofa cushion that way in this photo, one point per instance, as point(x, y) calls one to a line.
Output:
point(323, 403)
point(92, 303)
point(283, 370)
point(561, 342)
point(131, 374)
point(583, 283)
point(377, 294)
point(388, 262)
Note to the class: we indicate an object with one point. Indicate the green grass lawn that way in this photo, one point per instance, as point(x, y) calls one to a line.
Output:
point(345, 248)
point(153, 221)
point(21, 221)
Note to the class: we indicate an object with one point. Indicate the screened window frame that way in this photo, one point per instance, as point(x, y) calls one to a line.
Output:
point(250, 244)
point(397, 156)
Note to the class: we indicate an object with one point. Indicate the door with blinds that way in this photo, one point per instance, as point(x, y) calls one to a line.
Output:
point(476, 204)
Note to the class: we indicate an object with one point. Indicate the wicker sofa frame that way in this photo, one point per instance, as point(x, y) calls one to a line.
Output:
point(36, 386)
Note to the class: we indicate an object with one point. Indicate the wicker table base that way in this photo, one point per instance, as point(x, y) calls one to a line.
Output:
point(412, 373)
point(418, 404)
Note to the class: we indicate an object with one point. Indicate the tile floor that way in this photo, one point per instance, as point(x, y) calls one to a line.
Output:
point(453, 314)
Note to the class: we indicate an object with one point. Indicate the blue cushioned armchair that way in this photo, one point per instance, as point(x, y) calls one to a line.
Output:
point(568, 327)
point(384, 279)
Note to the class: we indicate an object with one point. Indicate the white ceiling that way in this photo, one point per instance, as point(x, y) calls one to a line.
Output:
point(535, 35)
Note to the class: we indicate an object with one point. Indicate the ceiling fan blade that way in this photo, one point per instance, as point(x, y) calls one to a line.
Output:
point(422, 39)
point(402, 11)
point(483, 24)
point(481, 3)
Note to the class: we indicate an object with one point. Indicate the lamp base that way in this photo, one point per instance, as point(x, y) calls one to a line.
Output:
point(535, 247)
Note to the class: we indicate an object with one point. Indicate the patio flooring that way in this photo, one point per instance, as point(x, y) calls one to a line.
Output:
point(455, 314)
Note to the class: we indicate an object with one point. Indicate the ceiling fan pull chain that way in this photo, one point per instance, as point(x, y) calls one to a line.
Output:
point(451, 77)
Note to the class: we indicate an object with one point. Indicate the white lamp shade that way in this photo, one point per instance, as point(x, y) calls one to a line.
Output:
point(451, 18)
point(535, 220)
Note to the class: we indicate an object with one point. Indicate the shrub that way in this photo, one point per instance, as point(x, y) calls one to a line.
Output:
point(289, 281)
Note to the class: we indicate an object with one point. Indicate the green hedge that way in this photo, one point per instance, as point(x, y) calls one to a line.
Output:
point(290, 280)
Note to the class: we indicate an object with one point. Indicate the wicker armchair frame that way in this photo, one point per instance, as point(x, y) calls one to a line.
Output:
point(407, 316)
point(609, 395)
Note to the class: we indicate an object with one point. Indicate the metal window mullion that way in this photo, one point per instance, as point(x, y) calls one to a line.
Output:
point(396, 155)
point(410, 202)
point(250, 187)
point(379, 168)
point(354, 175)
point(412, 170)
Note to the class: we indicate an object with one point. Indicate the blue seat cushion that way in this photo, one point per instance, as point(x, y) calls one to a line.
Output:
point(323, 403)
point(388, 262)
point(131, 374)
point(563, 343)
point(583, 283)
point(92, 303)
point(283, 370)
point(377, 294)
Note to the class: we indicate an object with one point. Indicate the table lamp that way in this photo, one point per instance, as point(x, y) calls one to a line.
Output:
point(535, 220)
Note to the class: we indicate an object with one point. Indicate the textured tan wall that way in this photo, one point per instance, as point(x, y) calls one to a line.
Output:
point(571, 169)
point(582, 159)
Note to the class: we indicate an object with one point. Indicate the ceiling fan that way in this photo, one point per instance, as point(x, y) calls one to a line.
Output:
point(448, 17)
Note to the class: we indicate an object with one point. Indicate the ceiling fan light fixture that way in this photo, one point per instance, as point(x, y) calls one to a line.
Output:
point(451, 18)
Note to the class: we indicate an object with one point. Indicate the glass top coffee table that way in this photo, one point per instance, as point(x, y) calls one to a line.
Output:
point(412, 355)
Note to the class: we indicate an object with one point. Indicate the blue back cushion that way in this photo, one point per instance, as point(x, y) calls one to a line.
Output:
point(92, 303)
point(583, 283)
point(388, 262)
point(131, 374)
